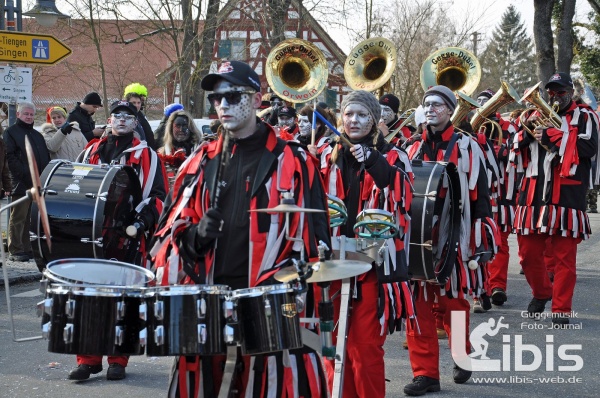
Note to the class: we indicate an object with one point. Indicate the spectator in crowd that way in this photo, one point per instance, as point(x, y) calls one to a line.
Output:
point(19, 245)
point(5, 183)
point(64, 140)
point(159, 133)
point(136, 94)
point(82, 114)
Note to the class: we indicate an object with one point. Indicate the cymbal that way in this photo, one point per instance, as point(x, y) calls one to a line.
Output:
point(326, 271)
point(285, 208)
point(36, 192)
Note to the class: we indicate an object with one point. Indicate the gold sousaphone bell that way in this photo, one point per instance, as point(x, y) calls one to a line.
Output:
point(370, 64)
point(296, 70)
point(453, 67)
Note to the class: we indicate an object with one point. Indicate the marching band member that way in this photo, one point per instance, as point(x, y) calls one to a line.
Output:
point(305, 118)
point(478, 233)
point(286, 120)
point(207, 236)
point(390, 121)
point(370, 175)
point(551, 206)
point(121, 147)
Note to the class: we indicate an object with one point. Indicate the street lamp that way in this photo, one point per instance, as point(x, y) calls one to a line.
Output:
point(45, 13)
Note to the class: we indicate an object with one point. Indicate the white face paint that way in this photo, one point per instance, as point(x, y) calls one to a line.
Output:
point(387, 114)
point(285, 121)
point(437, 112)
point(235, 117)
point(305, 125)
point(357, 121)
point(122, 125)
point(482, 100)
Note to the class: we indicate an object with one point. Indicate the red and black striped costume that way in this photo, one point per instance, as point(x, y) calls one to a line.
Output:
point(478, 234)
point(281, 167)
point(552, 201)
point(382, 182)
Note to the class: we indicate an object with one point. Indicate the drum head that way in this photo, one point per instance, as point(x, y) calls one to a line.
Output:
point(97, 272)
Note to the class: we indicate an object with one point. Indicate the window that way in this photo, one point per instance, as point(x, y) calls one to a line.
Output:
point(238, 50)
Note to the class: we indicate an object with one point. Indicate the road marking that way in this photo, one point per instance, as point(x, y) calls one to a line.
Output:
point(29, 293)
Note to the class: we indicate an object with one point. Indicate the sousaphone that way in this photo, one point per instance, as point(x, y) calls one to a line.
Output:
point(370, 64)
point(453, 67)
point(296, 70)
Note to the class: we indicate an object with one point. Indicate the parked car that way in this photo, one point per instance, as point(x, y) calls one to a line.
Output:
point(202, 124)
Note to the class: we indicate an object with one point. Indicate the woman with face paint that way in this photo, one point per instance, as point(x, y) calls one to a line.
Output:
point(551, 217)
point(370, 175)
point(305, 118)
point(181, 140)
point(121, 147)
point(478, 237)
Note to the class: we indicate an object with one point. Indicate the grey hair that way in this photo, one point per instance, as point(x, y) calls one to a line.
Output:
point(25, 105)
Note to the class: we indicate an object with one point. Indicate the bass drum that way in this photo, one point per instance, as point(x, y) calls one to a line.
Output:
point(435, 221)
point(89, 207)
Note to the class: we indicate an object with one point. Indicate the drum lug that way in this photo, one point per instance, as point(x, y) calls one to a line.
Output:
point(229, 310)
point(143, 336)
point(68, 333)
point(44, 307)
point(229, 333)
point(159, 310)
point(267, 307)
point(32, 237)
point(46, 330)
point(97, 242)
point(119, 335)
point(159, 335)
point(44, 285)
point(201, 308)
point(143, 311)
point(120, 310)
point(69, 308)
point(202, 333)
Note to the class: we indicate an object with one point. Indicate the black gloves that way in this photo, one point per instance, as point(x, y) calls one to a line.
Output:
point(66, 128)
point(195, 240)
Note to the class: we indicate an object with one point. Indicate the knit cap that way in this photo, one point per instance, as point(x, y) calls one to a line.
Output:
point(445, 93)
point(366, 99)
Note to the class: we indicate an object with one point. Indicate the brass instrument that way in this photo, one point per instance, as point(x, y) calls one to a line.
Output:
point(505, 95)
point(370, 64)
point(548, 115)
point(453, 67)
point(296, 70)
point(408, 116)
point(464, 105)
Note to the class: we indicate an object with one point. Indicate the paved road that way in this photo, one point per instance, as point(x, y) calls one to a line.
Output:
point(29, 370)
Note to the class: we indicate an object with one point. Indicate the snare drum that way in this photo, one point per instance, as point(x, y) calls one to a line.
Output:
point(89, 207)
point(95, 320)
point(268, 319)
point(186, 320)
point(89, 271)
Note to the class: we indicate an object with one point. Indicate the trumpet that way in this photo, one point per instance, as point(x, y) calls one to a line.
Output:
point(548, 115)
point(408, 116)
point(464, 106)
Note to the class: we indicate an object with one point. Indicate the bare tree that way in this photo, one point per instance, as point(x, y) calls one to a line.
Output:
point(565, 36)
point(542, 34)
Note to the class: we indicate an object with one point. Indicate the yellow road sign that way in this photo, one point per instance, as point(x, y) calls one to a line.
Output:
point(19, 47)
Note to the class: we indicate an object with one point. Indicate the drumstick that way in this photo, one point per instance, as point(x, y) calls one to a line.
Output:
point(222, 165)
point(342, 138)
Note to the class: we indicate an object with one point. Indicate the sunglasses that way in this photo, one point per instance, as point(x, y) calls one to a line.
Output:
point(125, 116)
point(232, 97)
point(560, 93)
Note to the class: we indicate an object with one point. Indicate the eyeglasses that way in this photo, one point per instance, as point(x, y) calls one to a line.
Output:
point(560, 93)
point(434, 105)
point(232, 97)
point(125, 116)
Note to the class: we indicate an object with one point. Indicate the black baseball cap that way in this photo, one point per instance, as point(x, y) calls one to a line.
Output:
point(235, 72)
point(560, 78)
point(287, 111)
point(123, 105)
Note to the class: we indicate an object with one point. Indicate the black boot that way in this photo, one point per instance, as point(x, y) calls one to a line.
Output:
point(461, 375)
point(537, 306)
point(422, 385)
point(83, 372)
point(498, 296)
point(115, 372)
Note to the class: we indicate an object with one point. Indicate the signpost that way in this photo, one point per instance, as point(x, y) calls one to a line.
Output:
point(19, 47)
point(15, 83)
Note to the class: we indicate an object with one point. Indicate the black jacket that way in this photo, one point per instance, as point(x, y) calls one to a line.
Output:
point(149, 135)
point(16, 155)
point(86, 123)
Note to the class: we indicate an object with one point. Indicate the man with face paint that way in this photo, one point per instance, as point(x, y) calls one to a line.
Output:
point(286, 120)
point(121, 147)
point(370, 175)
point(207, 235)
point(551, 205)
point(440, 142)
point(390, 122)
point(181, 140)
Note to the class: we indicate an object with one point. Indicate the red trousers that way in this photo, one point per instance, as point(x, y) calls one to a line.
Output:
point(498, 269)
point(564, 254)
point(549, 257)
point(97, 360)
point(364, 369)
point(423, 348)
